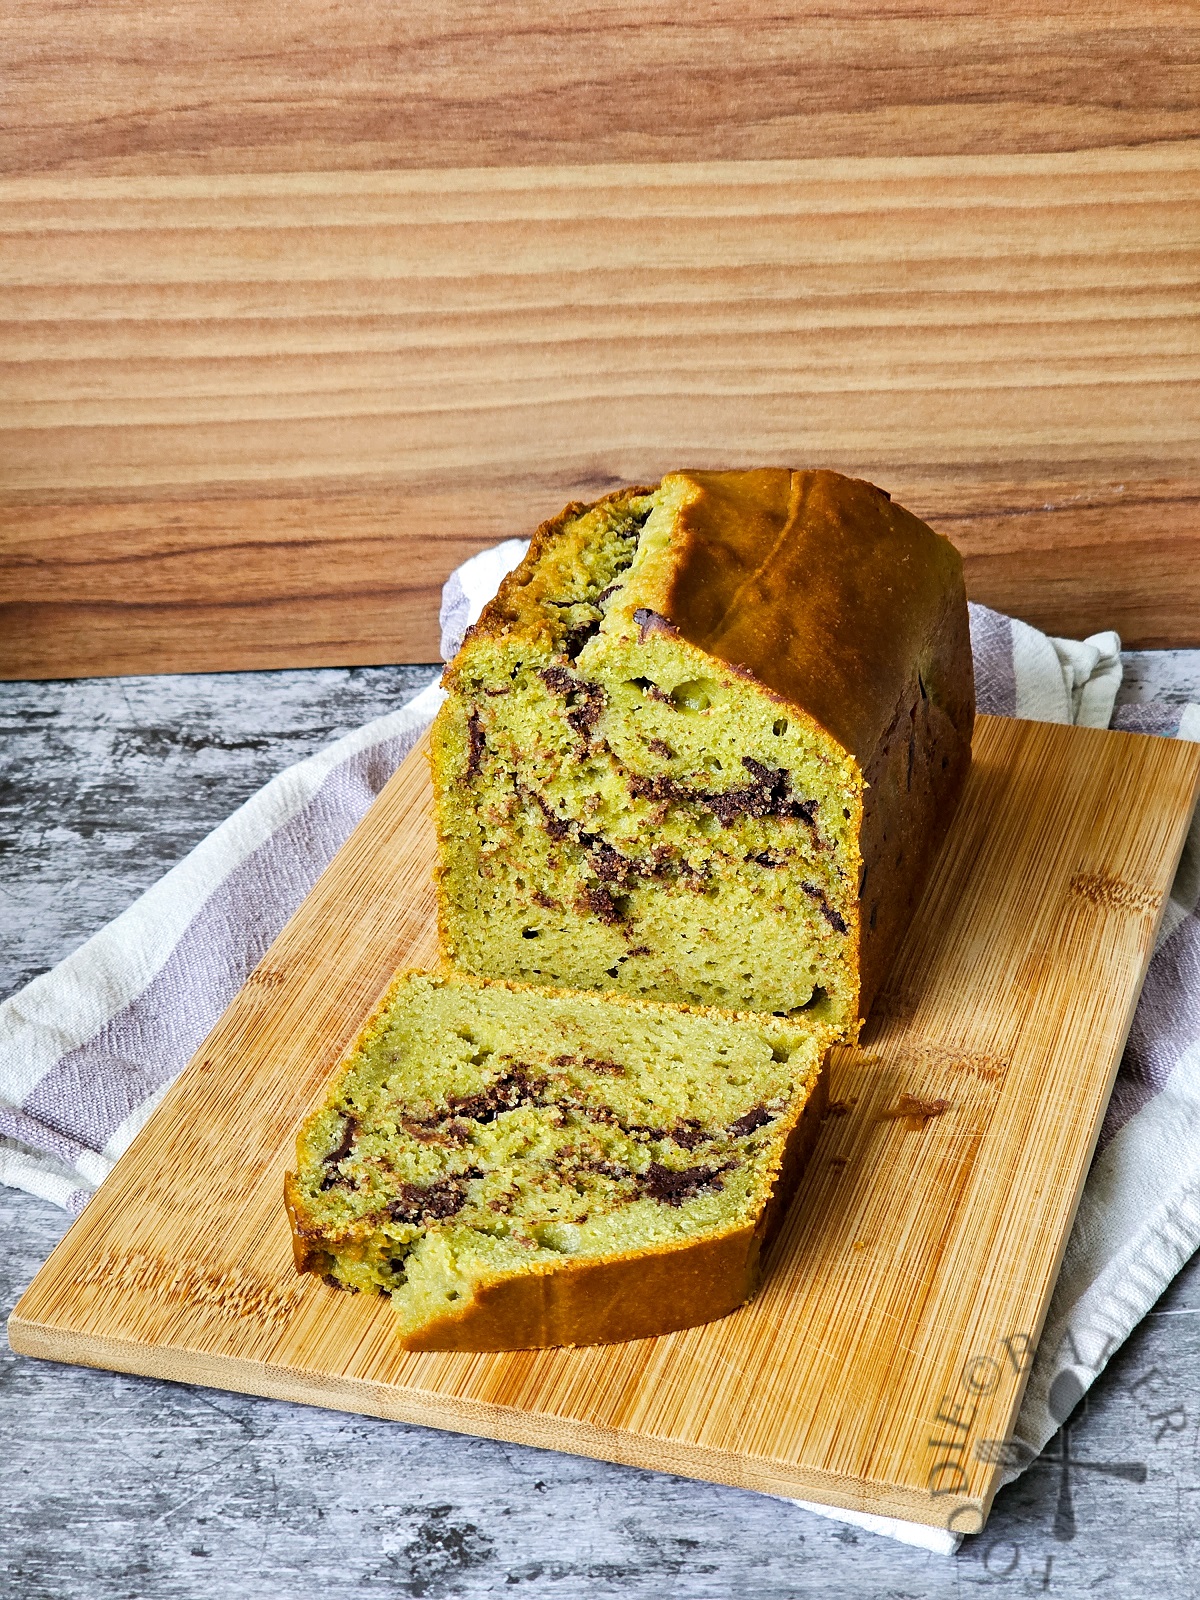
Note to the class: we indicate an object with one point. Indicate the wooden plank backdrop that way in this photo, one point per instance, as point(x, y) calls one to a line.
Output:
point(298, 308)
point(884, 1360)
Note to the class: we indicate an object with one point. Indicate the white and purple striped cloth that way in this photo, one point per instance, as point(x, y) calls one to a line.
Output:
point(87, 1050)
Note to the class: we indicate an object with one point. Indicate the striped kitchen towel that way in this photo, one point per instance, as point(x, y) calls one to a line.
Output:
point(88, 1049)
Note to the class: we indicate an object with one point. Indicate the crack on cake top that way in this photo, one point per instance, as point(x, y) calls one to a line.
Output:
point(576, 637)
point(588, 609)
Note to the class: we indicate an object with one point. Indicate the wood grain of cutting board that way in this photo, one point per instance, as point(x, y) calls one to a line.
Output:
point(905, 1296)
point(294, 320)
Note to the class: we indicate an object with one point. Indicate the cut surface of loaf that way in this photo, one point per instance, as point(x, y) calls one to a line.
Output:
point(703, 744)
point(522, 1167)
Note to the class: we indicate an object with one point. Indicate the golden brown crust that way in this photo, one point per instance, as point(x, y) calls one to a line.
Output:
point(817, 585)
point(308, 1256)
point(853, 610)
point(824, 590)
point(913, 783)
point(796, 1153)
point(604, 1302)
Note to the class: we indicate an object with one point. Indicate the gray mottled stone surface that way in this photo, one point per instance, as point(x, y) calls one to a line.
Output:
point(117, 1488)
point(105, 783)
point(1170, 675)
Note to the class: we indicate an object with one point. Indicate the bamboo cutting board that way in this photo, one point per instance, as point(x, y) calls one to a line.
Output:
point(903, 1301)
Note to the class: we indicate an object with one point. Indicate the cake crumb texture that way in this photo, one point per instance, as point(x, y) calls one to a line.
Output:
point(522, 1167)
point(703, 744)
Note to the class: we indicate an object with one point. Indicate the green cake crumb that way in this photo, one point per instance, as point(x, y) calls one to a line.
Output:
point(481, 1130)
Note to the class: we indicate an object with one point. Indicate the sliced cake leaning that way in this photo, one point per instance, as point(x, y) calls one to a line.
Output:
point(702, 745)
point(523, 1167)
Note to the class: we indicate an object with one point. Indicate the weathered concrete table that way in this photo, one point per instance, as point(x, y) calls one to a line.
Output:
point(118, 1488)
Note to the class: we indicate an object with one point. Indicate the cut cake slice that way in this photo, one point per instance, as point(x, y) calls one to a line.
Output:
point(703, 744)
point(522, 1167)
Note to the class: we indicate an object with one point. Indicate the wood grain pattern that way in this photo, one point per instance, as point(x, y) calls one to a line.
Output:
point(310, 86)
point(915, 1265)
point(254, 421)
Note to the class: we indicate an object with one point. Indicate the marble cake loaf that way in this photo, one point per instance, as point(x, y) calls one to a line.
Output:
point(522, 1167)
point(703, 744)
